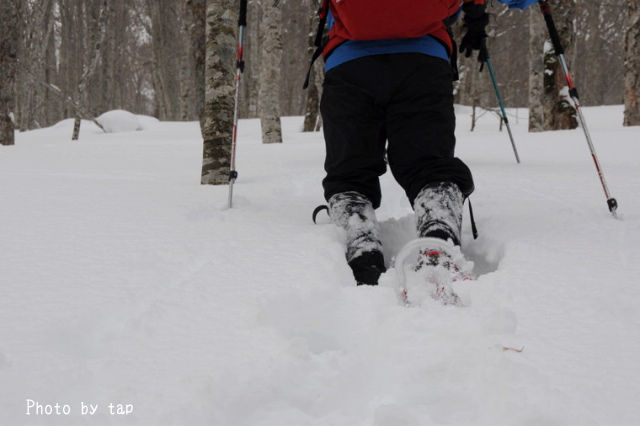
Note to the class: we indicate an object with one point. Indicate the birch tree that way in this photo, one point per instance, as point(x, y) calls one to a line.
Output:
point(270, 73)
point(249, 95)
point(8, 60)
point(632, 65)
point(91, 69)
point(222, 18)
point(36, 31)
point(559, 111)
point(197, 11)
point(167, 56)
point(536, 70)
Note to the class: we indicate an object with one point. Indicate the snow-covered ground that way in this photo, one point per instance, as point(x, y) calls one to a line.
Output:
point(124, 281)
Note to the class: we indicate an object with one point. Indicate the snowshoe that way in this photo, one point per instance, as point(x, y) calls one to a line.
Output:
point(431, 266)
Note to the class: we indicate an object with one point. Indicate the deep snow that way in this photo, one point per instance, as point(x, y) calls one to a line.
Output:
point(123, 280)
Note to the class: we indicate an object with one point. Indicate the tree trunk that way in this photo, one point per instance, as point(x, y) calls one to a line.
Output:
point(173, 80)
point(8, 59)
point(312, 109)
point(222, 16)
point(632, 65)
point(197, 33)
point(475, 99)
point(559, 111)
point(270, 69)
point(536, 69)
point(319, 81)
point(92, 67)
point(36, 30)
point(252, 70)
point(186, 76)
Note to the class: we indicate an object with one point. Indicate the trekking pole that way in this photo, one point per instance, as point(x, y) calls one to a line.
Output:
point(242, 25)
point(500, 101)
point(545, 8)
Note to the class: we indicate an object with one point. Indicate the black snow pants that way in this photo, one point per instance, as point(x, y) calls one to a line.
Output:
point(405, 99)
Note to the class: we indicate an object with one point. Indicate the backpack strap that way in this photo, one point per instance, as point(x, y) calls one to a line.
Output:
point(448, 23)
point(323, 13)
point(454, 55)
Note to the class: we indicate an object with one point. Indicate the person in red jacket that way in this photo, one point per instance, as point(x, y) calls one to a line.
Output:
point(388, 99)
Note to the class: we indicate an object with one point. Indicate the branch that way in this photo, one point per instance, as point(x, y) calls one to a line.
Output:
point(55, 89)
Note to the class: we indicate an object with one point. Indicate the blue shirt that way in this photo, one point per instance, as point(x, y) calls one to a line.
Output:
point(352, 49)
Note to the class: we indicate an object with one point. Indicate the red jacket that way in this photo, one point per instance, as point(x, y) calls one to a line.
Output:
point(386, 19)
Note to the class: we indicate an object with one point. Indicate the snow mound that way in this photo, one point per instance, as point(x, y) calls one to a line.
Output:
point(115, 121)
point(147, 122)
point(67, 125)
point(118, 121)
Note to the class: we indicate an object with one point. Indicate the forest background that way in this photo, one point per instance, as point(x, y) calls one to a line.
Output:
point(80, 58)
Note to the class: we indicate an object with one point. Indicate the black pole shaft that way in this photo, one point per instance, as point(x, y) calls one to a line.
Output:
point(242, 18)
point(551, 26)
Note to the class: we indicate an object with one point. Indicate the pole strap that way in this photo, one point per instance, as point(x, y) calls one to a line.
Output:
point(454, 52)
point(474, 228)
point(323, 13)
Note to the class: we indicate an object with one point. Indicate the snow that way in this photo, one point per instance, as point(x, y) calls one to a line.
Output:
point(119, 121)
point(122, 280)
point(116, 121)
point(147, 122)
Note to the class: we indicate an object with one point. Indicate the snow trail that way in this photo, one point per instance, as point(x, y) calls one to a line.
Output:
point(123, 280)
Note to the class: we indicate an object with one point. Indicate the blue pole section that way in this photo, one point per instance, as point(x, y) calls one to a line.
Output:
point(501, 103)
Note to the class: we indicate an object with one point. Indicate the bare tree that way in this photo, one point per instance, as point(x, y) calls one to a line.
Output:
point(598, 58)
point(269, 83)
point(168, 55)
point(36, 29)
point(122, 78)
point(71, 56)
point(219, 85)
point(9, 16)
point(197, 13)
point(559, 111)
point(91, 69)
point(152, 59)
point(632, 65)
point(536, 70)
point(249, 90)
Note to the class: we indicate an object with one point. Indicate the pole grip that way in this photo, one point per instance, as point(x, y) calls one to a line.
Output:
point(242, 18)
point(483, 49)
point(545, 8)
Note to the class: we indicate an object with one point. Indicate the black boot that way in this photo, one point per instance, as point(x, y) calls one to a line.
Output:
point(354, 213)
point(368, 267)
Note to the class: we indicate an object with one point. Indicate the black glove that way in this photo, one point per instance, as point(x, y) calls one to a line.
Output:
point(475, 21)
